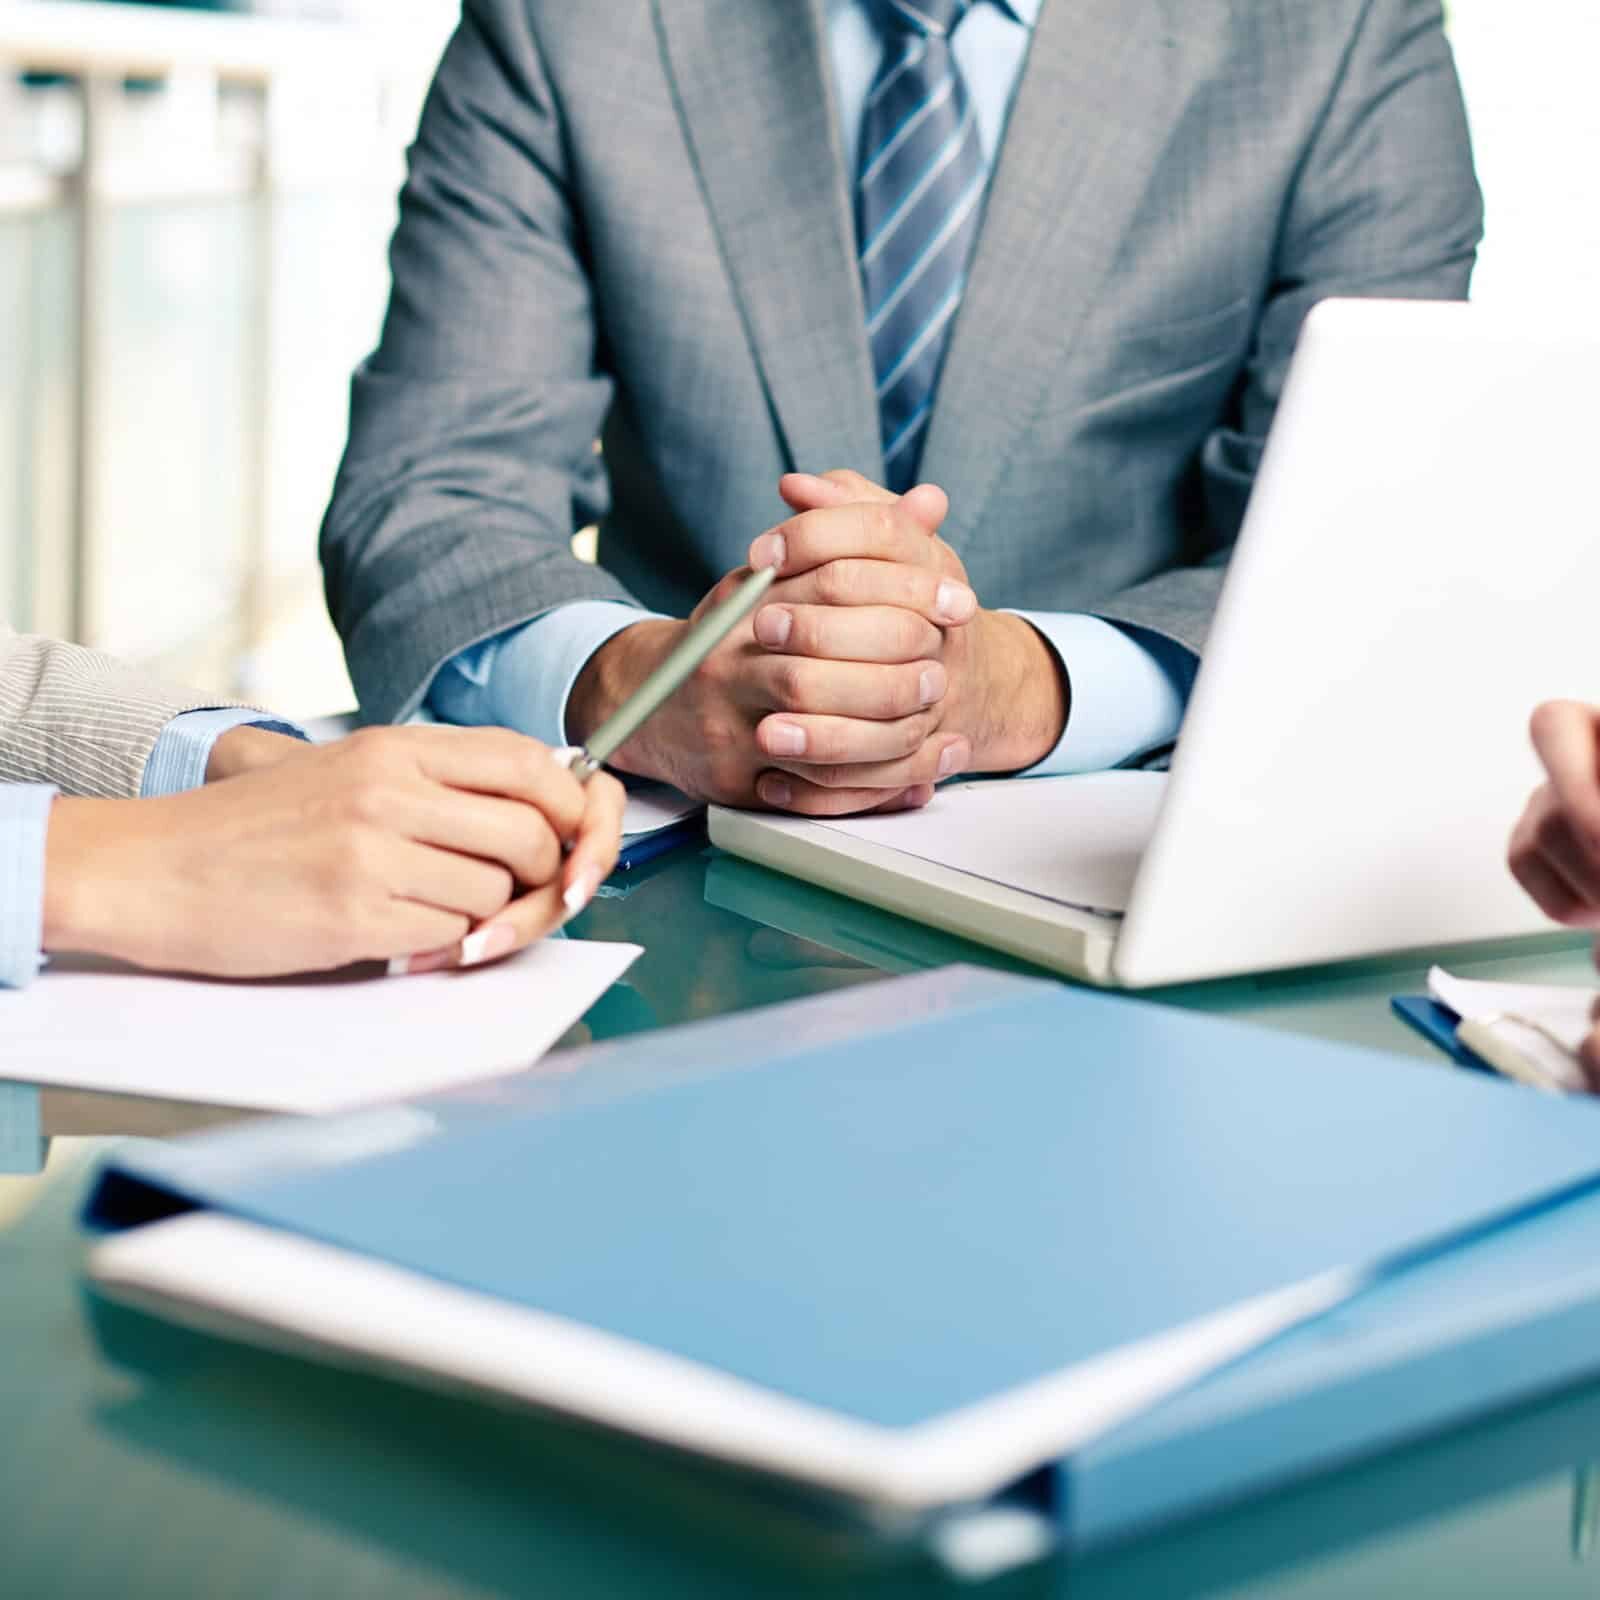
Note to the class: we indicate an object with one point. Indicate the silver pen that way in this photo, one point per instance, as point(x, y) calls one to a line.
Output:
point(715, 626)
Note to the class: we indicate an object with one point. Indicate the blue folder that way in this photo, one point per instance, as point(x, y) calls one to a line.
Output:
point(1437, 1024)
point(911, 1198)
point(643, 848)
point(1507, 1319)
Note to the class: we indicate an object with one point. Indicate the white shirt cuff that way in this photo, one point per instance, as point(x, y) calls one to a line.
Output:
point(24, 823)
point(1129, 691)
point(180, 757)
point(523, 678)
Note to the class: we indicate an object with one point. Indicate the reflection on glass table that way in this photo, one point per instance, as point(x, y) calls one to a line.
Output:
point(23, 1143)
point(326, 1481)
point(137, 1457)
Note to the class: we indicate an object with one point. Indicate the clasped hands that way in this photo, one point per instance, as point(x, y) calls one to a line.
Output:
point(869, 674)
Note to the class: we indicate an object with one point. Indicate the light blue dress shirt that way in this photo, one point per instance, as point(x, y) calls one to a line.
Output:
point(1129, 688)
point(177, 762)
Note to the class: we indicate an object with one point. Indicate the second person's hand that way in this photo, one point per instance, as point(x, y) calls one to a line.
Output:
point(1555, 848)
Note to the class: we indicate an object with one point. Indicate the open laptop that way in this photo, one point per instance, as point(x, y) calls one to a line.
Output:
point(1418, 568)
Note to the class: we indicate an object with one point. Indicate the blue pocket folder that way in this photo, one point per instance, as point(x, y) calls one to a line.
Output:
point(1437, 1025)
point(910, 1243)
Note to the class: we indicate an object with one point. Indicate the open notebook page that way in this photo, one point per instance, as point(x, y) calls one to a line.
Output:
point(1076, 840)
point(304, 1044)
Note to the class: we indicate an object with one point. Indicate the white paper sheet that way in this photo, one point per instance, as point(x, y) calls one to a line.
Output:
point(1075, 840)
point(653, 806)
point(300, 1045)
point(1540, 1024)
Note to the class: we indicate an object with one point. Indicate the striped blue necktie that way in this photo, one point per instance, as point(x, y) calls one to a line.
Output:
point(918, 197)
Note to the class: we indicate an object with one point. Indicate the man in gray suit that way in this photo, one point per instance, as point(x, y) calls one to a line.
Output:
point(1048, 255)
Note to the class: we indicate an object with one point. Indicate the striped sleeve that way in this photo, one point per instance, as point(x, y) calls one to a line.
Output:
point(79, 720)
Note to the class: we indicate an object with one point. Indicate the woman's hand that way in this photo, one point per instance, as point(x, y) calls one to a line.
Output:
point(448, 842)
point(594, 853)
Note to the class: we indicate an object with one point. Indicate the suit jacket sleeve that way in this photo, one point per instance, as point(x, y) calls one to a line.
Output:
point(489, 354)
point(76, 719)
point(1386, 206)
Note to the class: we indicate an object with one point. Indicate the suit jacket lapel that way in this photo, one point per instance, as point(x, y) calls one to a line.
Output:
point(755, 95)
point(1103, 89)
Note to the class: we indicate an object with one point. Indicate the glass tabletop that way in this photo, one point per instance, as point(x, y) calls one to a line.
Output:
point(139, 1460)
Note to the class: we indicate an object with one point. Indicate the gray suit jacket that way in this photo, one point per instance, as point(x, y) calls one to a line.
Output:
point(632, 221)
point(77, 719)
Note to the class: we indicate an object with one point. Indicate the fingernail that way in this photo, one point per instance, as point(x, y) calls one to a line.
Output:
point(434, 961)
point(931, 685)
point(773, 626)
point(487, 944)
point(955, 602)
point(785, 739)
point(807, 480)
point(581, 891)
point(776, 792)
point(954, 758)
point(915, 799)
point(770, 550)
point(428, 961)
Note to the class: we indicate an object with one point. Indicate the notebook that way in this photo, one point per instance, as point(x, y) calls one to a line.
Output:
point(1038, 868)
point(901, 1245)
point(1076, 841)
